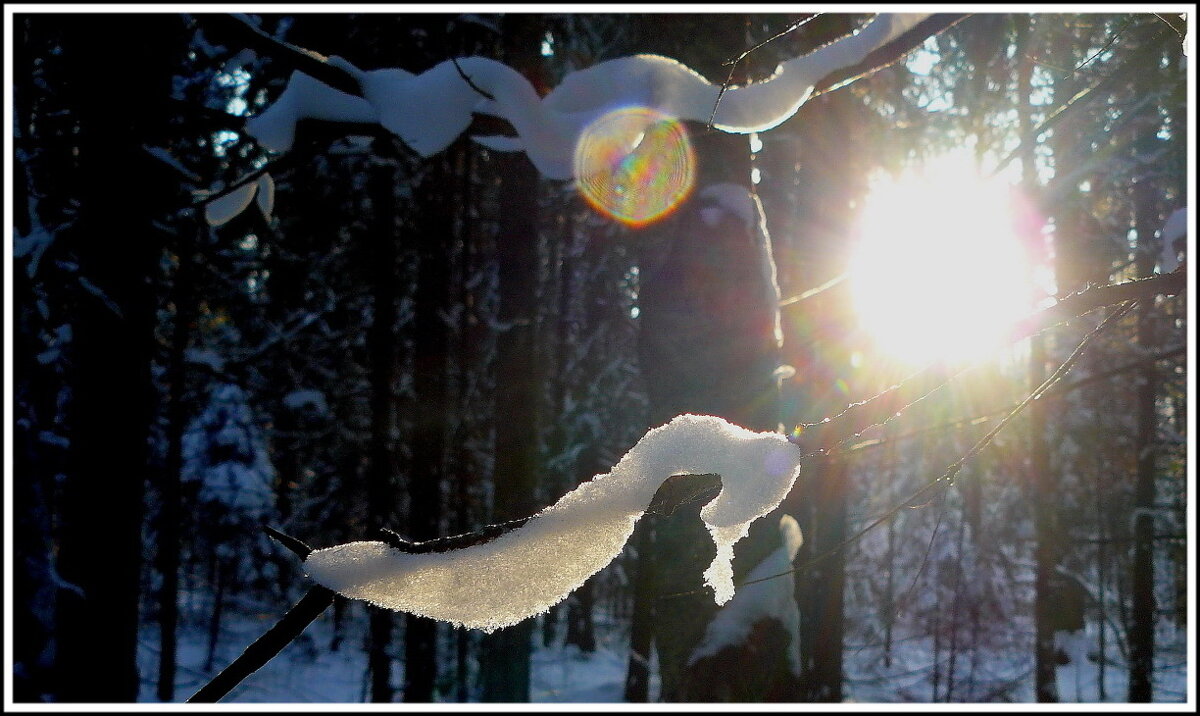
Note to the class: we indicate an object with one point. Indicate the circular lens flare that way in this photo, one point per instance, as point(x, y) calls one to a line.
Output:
point(635, 165)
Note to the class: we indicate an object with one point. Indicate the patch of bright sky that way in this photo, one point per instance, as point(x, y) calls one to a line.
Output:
point(921, 63)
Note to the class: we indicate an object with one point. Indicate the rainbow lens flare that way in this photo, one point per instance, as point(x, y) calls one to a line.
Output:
point(635, 164)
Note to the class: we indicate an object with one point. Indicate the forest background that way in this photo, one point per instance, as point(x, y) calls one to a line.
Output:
point(434, 344)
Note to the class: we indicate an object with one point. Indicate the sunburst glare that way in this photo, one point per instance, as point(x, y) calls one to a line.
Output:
point(940, 270)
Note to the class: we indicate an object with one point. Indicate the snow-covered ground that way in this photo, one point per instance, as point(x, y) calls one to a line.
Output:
point(307, 671)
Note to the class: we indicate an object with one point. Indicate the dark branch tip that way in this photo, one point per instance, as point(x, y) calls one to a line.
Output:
point(298, 547)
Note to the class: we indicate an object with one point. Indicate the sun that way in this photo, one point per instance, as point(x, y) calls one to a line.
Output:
point(939, 271)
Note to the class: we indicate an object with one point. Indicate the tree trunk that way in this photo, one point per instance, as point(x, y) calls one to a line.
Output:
point(581, 630)
point(170, 516)
point(707, 345)
point(641, 626)
point(217, 580)
point(1143, 604)
point(430, 415)
point(506, 653)
point(381, 347)
point(505, 657)
point(826, 611)
point(1041, 479)
point(118, 245)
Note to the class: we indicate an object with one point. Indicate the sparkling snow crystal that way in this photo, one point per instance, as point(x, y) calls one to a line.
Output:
point(526, 571)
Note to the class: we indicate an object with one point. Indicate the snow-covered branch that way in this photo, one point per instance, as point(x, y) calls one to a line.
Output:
point(526, 570)
point(237, 26)
point(428, 111)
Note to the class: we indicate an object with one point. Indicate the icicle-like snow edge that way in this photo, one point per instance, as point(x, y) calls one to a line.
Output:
point(526, 571)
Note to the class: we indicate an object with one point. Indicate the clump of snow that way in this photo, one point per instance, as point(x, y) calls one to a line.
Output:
point(313, 400)
point(769, 599)
point(306, 98)
point(265, 196)
point(428, 111)
point(1174, 229)
point(225, 208)
point(733, 198)
point(526, 571)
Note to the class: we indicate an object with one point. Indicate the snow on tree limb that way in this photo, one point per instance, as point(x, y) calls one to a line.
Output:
point(760, 598)
point(526, 570)
point(428, 111)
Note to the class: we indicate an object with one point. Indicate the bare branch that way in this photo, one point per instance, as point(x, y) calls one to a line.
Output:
point(267, 646)
point(470, 82)
point(891, 52)
point(236, 26)
point(947, 478)
point(734, 62)
point(297, 547)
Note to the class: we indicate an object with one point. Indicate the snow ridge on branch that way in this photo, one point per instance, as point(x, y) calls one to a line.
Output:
point(430, 110)
point(526, 570)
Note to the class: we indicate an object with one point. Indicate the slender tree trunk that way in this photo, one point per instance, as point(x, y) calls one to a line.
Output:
point(171, 515)
point(641, 627)
point(505, 658)
point(1143, 604)
point(828, 578)
point(381, 346)
point(506, 653)
point(431, 341)
point(580, 628)
point(889, 596)
point(214, 618)
point(118, 247)
point(1042, 481)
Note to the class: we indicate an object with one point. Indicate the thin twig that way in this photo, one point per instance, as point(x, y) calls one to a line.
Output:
point(1078, 99)
point(237, 26)
point(947, 478)
point(734, 62)
point(1180, 32)
point(1058, 391)
point(470, 82)
point(1101, 51)
point(890, 53)
point(297, 547)
point(834, 432)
